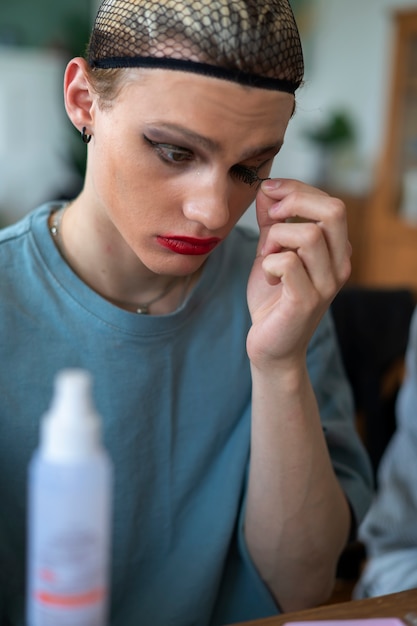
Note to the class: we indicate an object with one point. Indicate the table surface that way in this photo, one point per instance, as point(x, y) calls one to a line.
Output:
point(393, 605)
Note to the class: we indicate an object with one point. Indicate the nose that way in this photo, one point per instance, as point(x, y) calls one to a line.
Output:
point(207, 202)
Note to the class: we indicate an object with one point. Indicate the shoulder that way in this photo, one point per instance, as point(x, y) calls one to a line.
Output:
point(14, 231)
point(412, 340)
point(19, 230)
point(20, 245)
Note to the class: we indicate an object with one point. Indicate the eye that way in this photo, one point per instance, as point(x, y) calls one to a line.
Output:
point(247, 175)
point(170, 153)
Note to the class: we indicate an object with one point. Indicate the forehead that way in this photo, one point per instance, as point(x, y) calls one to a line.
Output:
point(209, 106)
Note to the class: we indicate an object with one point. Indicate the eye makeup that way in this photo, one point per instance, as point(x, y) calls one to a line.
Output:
point(168, 152)
point(248, 175)
point(177, 155)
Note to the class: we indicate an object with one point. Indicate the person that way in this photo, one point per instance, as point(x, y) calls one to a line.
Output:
point(239, 476)
point(389, 531)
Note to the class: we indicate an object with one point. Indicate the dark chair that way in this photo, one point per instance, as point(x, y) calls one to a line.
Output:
point(372, 327)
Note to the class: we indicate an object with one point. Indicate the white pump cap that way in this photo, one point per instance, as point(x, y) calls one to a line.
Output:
point(71, 428)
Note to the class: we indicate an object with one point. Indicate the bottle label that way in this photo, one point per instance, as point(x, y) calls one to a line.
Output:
point(69, 587)
point(69, 546)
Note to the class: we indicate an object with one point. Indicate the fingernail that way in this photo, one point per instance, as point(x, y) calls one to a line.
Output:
point(270, 184)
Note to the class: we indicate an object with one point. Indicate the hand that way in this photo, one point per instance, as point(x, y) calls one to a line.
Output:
point(303, 259)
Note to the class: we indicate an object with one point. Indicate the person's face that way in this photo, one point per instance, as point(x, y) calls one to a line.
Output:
point(174, 163)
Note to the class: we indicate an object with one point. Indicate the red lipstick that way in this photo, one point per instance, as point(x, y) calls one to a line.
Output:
point(188, 245)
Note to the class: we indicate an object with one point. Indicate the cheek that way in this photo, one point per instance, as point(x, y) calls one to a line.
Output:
point(120, 180)
point(135, 199)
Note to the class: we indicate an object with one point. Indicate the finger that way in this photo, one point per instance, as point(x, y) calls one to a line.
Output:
point(307, 242)
point(264, 202)
point(278, 188)
point(270, 197)
point(327, 212)
point(288, 269)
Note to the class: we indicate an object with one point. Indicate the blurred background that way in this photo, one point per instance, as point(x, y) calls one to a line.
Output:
point(338, 138)
point(39, 155)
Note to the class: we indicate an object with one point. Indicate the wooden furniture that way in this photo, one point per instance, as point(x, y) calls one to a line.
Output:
point(393, 605)
point(389, 256)
point(356, 207)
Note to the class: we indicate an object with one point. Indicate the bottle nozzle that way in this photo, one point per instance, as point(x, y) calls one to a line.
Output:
point(71, 427)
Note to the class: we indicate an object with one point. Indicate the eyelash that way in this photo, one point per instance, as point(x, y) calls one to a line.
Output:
point(247, 175)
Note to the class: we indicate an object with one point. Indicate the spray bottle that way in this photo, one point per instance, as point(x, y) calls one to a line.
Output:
point(69, 519)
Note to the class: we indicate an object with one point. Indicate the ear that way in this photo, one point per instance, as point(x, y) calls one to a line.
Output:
point(78, 94)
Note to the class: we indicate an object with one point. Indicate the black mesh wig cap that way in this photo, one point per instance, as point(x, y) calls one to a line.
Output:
point(252, 42)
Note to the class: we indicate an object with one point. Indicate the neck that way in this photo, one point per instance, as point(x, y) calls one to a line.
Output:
point(107, 265)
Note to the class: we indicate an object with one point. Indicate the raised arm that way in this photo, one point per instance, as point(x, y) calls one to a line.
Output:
point(297, 516)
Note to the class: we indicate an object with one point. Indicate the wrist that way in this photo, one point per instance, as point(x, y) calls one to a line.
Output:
point(290, 374)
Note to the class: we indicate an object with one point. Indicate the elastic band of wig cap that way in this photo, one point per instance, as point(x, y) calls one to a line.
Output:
point(236, 76)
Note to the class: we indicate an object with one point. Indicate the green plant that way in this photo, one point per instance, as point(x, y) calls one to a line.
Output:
point(336, 132)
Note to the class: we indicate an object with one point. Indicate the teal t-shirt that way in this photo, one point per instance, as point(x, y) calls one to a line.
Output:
point(174, 393)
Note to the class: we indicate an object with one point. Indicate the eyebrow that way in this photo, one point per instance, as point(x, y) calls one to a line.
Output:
point(213, 146)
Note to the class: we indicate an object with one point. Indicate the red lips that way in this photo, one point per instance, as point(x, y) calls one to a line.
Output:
point(188, 245)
